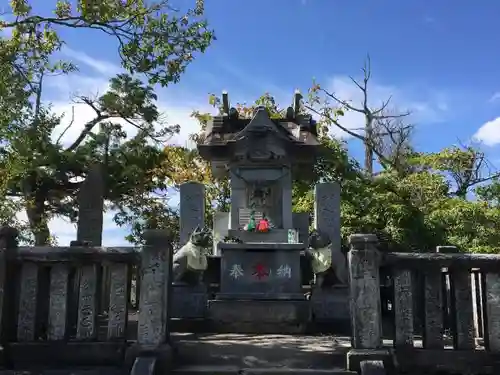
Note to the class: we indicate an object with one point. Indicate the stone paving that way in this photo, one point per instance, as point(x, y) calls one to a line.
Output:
point(264, 351)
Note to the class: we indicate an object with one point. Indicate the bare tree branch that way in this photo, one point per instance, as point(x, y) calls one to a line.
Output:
point(371, 139)
point(90, 124)
point(474, 171)
point(69, 125)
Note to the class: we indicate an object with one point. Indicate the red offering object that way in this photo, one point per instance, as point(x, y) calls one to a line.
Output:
point(263, 225)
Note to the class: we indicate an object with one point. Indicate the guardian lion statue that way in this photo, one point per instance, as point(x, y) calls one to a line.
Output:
point(190, 261)
point(326, 261)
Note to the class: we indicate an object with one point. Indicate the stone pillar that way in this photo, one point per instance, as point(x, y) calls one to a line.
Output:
point(153, 334)
point(8, 253)
point(477, 296)
point(366, 310)
point(327, 220)
point(301, 224)
point(238, 199)
point(446, 291)
point(91, 207)
point(90, 228)
point(286, 201)
point(327, 211)
point(192, 210)
point(220, 229)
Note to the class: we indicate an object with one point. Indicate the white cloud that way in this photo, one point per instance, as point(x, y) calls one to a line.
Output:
point(495, 97)
point(101, 66)
point(65, 87)
point(489, 133)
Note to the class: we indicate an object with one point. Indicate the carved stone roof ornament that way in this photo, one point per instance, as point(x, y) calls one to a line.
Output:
point(229, 138)
point(260, 124)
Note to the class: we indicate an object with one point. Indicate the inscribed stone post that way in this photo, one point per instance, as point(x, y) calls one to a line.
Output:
point(90, 220)
point(192, 209)
point(8, 252)
point(58, 301)
point(327, 210)
point(327, 220)
point(27, 302)
point(91, 206)
point(155, 280)
point(364, 280)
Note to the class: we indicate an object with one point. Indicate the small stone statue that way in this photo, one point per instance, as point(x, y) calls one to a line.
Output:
point(190, 261)
point(324, 261)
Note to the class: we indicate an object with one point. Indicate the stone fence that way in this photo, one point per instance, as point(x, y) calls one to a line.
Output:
point(449, 286)
point(51, 299)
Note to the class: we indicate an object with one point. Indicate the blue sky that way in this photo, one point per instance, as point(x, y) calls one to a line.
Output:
point(438, 59)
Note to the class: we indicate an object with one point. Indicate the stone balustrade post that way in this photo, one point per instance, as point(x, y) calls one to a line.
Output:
point(366, 310)
point(448, 320)
point(155, 279)
point(8, 252)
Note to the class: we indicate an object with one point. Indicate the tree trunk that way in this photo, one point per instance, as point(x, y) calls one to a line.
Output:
point(38, 223)
point(368, 147)
point(35, 199)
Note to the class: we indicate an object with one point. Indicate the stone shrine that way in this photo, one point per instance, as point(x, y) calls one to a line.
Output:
point(260, 155)
point(259, 260)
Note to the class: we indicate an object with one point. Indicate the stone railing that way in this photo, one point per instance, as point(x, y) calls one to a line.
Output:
point(50, 299)
point(457, 290)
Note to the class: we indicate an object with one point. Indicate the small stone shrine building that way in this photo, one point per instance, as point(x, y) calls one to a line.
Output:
point(261, 155)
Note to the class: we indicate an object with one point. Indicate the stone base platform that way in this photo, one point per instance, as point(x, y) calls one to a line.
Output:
point(189, 302)
point(196, 310)
point(259, 316)
point(330, 310)
point(330, 304)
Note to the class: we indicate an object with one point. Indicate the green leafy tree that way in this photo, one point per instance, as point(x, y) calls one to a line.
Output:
point(51, 172)
point(153, 37)
point(41, 175)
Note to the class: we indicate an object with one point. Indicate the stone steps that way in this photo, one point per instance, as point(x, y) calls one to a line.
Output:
point(261, 351)
point(65, 371)
point(233, 370)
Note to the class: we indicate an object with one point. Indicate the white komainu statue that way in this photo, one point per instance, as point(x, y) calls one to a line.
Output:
point(190, 261)
point(325, 260)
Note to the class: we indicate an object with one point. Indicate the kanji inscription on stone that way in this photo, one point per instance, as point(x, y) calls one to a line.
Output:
point(261, 271)
point(236, 271)
point(284, 271)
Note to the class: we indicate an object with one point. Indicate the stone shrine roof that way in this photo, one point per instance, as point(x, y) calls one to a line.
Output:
point(223, 129)
point(296, 130)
